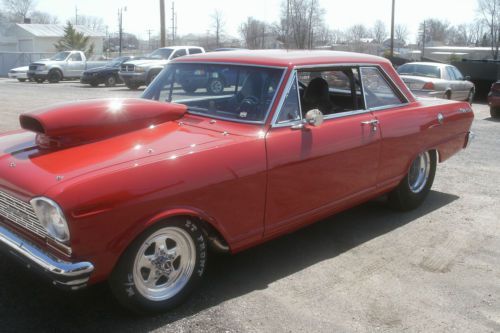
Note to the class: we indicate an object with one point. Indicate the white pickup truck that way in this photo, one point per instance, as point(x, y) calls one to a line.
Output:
point(62, 66)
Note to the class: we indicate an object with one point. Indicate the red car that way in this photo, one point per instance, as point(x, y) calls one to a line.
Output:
point(135, 191)
point(494, 100)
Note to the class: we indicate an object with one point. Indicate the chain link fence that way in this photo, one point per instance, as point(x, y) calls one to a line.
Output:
point(9, 60)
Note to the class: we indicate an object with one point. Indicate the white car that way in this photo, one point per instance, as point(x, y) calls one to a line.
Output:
point(20, 73)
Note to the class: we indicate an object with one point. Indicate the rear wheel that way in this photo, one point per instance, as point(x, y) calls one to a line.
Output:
point(110, 81)
point(414, 187)
point(161, 267)
point(215, 86)
point(447, 95)
point(495, 112)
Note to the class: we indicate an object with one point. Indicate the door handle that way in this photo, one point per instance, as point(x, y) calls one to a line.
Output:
point(373, 123)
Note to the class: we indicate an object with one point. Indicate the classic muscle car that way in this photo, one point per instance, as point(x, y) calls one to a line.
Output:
point(135, 191)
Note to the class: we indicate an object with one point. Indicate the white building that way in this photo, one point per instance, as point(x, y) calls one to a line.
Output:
point(40, 38)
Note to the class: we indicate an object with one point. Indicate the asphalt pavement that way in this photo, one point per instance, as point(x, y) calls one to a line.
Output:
point(368, 269)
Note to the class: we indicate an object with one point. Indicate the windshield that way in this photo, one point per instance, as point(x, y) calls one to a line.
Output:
point(60, 56)
point(160, 54)
point(234, 92)
point(420, 70)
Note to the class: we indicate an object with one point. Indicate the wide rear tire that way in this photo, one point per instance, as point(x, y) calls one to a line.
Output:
point(161, 267)
point(415, 186)
point(494, 112)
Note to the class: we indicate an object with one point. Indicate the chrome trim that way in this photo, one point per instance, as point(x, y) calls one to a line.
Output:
point(21, 214)
point(293, 75)
point(61, 272)
point(59, 211)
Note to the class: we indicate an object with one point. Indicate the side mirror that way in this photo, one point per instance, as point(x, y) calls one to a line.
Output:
point(314, 117)
point(467, 78)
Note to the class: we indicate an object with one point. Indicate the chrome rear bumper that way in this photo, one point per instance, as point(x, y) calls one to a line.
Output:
point(63, 274)
point(469, 138)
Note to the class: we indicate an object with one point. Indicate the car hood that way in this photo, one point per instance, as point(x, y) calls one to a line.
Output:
point(20, 69)
point(29, 170)
point(147, 62)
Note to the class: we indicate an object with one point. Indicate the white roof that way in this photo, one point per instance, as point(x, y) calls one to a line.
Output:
point(56, 30)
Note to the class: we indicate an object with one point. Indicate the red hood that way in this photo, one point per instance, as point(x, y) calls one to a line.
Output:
point(78, 123)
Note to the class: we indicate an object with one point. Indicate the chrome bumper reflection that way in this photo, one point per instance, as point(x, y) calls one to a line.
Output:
point(469, 138)
point(62, 273)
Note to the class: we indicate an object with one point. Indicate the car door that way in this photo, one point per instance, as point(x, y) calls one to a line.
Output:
point(455, 84)
point(75, 65)
point(314, 170)
point(464, 87)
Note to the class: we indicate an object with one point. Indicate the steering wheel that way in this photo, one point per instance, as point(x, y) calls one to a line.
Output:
point(248, 107)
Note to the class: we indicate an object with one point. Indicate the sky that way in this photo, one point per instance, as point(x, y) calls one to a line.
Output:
point(193, 16)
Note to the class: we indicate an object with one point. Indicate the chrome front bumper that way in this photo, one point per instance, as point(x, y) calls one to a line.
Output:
point(63, 274)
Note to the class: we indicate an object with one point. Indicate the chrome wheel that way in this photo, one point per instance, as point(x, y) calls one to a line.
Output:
point(419, 172)
point(216, 86)
point(164, 263)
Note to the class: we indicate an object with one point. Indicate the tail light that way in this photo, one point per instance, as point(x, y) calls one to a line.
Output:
point(428, 86)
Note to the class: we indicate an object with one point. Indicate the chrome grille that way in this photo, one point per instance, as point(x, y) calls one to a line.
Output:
point(127, 68)
point(20, 213)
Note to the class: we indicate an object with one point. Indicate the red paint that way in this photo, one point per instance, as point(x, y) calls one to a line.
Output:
point(252, 185)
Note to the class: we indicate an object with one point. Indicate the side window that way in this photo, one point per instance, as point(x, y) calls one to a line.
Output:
point(290, 110)
point(332, 91)
point(458, 75)
point(451, 74)
point(179, 53)
point(76, 57)
point(378, 92)
point(194, 51)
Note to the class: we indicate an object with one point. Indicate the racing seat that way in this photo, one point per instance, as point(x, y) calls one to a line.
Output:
point(317, 96)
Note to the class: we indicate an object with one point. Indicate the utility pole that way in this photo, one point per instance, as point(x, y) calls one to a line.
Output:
point(149, 39)
point(120, 28)
point(392, 30)
point(424, 37)
point(76, 15)
point(173, 23)
point(162, 23)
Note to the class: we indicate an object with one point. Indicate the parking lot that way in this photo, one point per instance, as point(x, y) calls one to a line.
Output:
point(434, 269)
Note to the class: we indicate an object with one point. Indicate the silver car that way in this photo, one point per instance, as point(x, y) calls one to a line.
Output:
point(429, 79)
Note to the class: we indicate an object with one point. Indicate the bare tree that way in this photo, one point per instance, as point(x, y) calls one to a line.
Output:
point(490, 12)
point(253, 32)
point(19, 9)
point(401, 32)
point(379, 31)
point(356, 32)
point(43, 18)
point(218, 25)
point(300, 21)
point(92, 22)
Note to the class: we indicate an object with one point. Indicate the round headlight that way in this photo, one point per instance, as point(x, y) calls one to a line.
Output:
point(52, 218)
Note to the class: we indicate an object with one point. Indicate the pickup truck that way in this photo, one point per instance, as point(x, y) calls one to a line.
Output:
point(136, 73)
point(63, 65)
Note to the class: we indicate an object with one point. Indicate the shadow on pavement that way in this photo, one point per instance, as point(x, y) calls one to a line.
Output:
point(27, 303)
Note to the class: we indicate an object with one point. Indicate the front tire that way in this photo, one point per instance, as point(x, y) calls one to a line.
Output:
point(54, 76)
point(215, 86)
point(161, 267)
point(132, 85)
point(415, 186)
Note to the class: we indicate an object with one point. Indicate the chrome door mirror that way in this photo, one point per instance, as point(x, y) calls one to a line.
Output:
point(314, 117)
